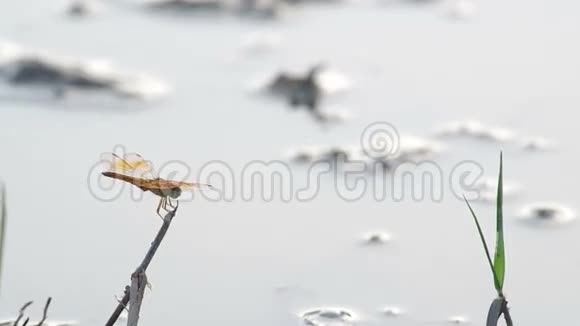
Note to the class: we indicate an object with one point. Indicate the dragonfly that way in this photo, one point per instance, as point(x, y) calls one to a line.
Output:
point(134, 169)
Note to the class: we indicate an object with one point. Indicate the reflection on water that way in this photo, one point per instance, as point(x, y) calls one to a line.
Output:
point(537, 144)
point(477, 130)
point(459, 320)
point(308, 91)
point(393, 311)
point(546, 214)
point(22, 67)
point(408, 149)
point(328, 317)
point(83, 8)
point(376, 238)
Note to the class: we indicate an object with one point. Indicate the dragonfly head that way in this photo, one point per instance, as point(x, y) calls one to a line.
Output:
point(175, 192)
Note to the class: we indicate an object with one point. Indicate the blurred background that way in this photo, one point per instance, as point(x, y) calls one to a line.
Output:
point(193, 81)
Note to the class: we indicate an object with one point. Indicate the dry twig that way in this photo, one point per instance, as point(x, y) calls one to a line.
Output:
point(45, 312)
point(27, 320)
point(21, 312)
point(136, 294)
point(138, 278)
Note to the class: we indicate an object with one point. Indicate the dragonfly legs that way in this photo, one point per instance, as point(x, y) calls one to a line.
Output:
point(165, 204)
point(161, 205)
point(170, 204)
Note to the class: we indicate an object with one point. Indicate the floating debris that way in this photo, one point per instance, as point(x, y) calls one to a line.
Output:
point(304, 154)
point(546, 214)
point(308, 90)
point(185, 6)
point(411, 149)
point(341, 153)
point(258, 8)
point(487, 188)
point(328, 317)
point(477, 130)
point(20, 67)
point(376, 238)
point(457, 320)
point(332, 154)
point(392, 312)
point(538, 144)
point(253, 8)
point(82, 8)
point(298, 90)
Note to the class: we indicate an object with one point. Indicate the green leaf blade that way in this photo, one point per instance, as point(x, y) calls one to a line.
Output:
point(483, 242)
point(499, 257)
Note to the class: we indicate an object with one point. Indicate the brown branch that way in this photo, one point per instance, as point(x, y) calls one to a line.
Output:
point(142, 268)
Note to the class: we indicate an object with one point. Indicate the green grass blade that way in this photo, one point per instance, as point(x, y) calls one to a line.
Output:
point(499, 259)
point(483, 242)
point(2, 224)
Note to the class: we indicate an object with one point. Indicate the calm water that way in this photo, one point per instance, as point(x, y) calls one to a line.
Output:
point(253, 263)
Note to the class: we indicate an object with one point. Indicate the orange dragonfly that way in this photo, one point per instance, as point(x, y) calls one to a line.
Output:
point(133, 169)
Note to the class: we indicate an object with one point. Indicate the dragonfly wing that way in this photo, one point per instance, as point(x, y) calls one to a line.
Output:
point(169, 184)
point(194, 185)
point(131, 164)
